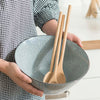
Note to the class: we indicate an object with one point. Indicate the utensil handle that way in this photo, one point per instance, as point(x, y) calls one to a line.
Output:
point(59, 42)
point(55, 42)
point(98, 3)
point(88, 45)
point(65, 35)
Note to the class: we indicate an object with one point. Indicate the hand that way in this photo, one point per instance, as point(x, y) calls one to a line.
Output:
point(75, 39)
point(50, 28)
point(22, 80)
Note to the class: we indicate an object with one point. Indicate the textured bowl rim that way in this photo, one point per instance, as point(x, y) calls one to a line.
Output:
point(42, 81)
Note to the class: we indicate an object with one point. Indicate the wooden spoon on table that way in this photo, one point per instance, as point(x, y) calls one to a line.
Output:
point(49, 74)
point(58, 75)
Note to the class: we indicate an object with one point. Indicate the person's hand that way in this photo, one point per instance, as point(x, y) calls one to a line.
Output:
point(22, 80)
point(74, 38)
point(50, 28)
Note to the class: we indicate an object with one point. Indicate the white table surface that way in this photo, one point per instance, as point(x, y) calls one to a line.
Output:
point(86, 29)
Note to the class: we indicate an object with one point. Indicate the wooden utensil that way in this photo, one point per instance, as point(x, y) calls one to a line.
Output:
point(49, 74)
point(54, 76)
point(58, 75)
point(61, 77)
point(98, 3)
point(93, 44)
point(93, 8)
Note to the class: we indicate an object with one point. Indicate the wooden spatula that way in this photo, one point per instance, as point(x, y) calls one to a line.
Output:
point(53, 79)
point(49, 74)
point(59, 76)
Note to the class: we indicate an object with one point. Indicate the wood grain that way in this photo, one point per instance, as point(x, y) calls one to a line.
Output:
point(89, 45)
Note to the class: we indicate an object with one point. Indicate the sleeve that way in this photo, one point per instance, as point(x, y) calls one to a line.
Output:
point(45, 10)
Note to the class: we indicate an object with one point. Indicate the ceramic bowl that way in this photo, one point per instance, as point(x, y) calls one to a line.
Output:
point(33, 56)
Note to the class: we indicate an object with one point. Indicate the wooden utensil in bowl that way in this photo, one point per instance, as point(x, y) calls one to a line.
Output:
point(49, 74)
point(53, 79)
point(58, 75)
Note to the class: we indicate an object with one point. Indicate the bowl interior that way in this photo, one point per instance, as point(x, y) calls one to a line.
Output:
point(33, 56)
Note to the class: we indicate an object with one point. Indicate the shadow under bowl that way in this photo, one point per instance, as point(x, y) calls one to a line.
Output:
point(33, 56)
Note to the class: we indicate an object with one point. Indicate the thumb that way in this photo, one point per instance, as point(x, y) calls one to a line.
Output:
point(77, 40)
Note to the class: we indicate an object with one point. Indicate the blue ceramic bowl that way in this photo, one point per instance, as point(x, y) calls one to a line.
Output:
point(33, 56)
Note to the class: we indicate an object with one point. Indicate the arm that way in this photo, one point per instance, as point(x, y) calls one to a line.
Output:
point(50, 27)
point(46, 18)
point(12, 70)
point(48, 10)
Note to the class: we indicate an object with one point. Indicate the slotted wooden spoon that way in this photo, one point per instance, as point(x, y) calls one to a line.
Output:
point(58, 75)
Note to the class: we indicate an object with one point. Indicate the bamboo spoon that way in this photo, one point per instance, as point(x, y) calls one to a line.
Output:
point(54, 78)
point(61, 77)
point(58, 75)
point(49, 74)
